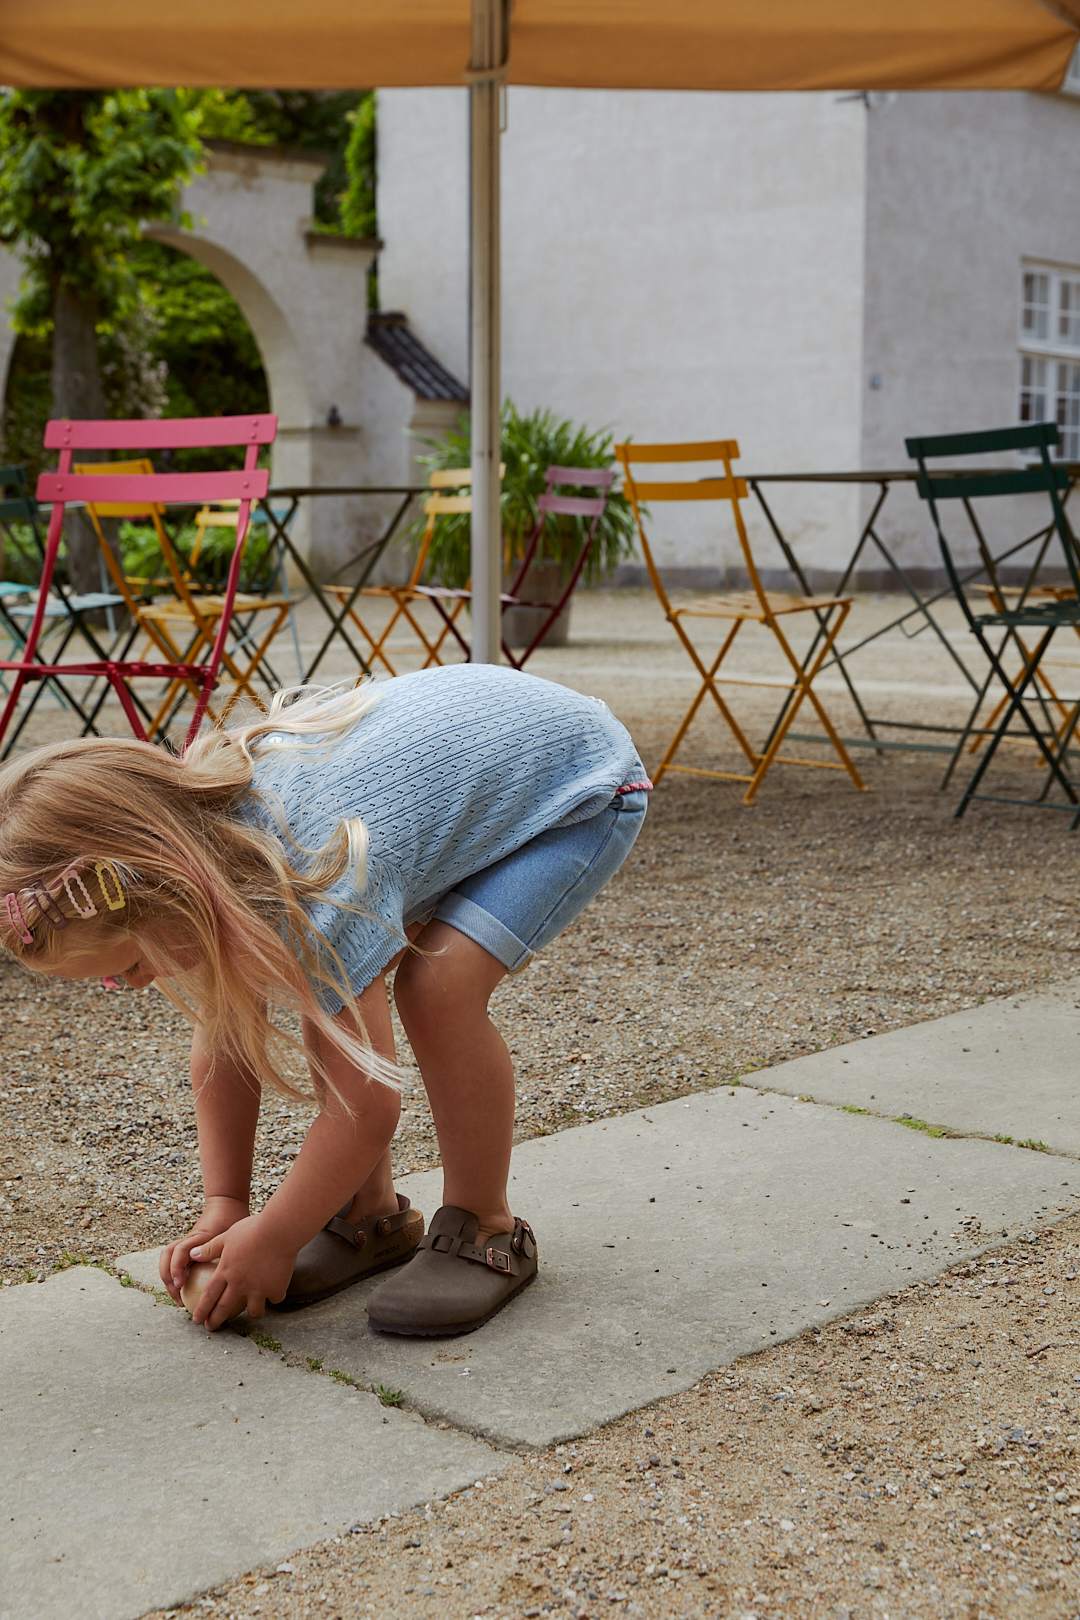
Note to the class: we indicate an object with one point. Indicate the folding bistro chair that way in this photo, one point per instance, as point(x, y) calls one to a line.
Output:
point(66, 611)
point(225, 515)
point(1059, 709)
point(754, 606)
point(451, 495)
point(448, 602)
point(198, 673)
point(1034, 610)
point(183, 626)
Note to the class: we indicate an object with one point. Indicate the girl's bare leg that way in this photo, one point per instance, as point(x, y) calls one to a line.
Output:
point(376, 1196)
point(466, 1068)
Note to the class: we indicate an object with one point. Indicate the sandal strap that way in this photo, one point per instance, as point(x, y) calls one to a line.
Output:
point(358, 1232)
point(505, 1261)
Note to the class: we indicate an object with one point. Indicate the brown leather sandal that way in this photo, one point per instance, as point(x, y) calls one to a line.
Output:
point(453, 1285)
point(345, 1252)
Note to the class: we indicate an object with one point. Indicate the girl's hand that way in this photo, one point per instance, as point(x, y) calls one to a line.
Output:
point(253, 1266)
point(217, 1216)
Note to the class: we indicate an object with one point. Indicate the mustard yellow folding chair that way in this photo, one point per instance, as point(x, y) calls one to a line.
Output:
point(184, 625)
point(451, 495)
point(754, 606)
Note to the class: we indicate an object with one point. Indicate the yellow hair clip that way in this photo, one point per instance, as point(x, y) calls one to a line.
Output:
point(116, 901)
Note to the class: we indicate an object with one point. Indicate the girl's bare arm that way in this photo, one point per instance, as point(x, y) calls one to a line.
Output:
point(340, 1150)
point(226, 1110)
point(227, 1098)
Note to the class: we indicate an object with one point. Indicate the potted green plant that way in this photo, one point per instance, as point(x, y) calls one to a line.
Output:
point(530, 444)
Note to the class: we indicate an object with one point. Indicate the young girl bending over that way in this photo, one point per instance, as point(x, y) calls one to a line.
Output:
point(445, 825)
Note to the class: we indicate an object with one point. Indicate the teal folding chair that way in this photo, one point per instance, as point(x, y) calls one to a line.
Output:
point(1032, 610)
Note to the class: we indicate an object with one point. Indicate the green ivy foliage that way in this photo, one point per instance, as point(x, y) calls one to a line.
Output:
point(80, 172)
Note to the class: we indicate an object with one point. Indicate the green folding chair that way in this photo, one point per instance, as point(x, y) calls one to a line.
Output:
point(1032, 610)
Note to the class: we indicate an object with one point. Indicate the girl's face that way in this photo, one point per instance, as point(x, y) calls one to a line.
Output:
point(120, 956)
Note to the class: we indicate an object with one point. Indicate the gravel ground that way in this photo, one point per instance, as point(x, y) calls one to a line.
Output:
point(821, 1477)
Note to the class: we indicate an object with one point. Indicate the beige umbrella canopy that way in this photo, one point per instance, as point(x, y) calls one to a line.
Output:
point(628, 44)
point(604, 44)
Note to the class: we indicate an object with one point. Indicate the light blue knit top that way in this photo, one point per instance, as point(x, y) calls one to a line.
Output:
point(451, 770)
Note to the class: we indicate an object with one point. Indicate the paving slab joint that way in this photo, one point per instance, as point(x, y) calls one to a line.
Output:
point(385, 1395)
point(264, 1340)
point(910, 1122)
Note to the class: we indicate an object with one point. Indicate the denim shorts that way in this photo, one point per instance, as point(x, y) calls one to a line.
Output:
point(518, 905)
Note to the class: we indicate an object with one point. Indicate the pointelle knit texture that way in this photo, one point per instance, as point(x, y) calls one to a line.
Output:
point(453, 769)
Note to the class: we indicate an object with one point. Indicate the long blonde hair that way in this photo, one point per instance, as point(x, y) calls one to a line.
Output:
point(169, 828)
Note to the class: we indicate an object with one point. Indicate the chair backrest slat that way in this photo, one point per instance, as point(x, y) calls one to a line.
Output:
point(699, 489)
point(148, 489)
point(572, 505)
point(702, 450)
point(166, 433)
point(142, 468)
point(17, 509)
point(443, 505)
point(969, 486)
point(582, 477)
point(16, 503)
point(1025, 436)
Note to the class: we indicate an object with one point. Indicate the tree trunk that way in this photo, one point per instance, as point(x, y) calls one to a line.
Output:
point(77, 392)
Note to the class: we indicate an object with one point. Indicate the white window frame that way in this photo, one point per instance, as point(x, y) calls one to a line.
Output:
point(1052, 362)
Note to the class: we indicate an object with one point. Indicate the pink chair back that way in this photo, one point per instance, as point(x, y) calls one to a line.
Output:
point(248, 484)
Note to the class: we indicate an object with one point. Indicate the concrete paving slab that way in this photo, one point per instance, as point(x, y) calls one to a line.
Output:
point(676, 1239)
point(1008, 1068)
point(145, 1460)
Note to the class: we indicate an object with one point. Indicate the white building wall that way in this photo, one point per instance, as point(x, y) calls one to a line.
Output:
point(961, 189)
point(675, 266)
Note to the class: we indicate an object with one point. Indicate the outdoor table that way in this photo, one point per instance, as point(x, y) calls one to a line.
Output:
point(369, 555)
point(922, 604)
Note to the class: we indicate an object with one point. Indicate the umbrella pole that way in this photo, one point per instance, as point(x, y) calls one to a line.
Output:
point(485, 82)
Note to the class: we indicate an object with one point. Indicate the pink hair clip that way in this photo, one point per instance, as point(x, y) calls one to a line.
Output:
point(16, 918)
point(85, 907)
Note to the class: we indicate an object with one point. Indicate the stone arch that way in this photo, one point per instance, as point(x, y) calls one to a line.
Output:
point(349, 411)
point(275, 338)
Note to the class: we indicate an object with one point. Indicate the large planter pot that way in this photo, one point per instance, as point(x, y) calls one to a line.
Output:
point(544, 584)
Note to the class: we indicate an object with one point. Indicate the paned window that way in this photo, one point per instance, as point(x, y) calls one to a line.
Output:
point(1050, 352)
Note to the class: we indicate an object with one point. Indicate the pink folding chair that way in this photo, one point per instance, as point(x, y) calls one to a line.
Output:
point(549, 504)
point(164, 489)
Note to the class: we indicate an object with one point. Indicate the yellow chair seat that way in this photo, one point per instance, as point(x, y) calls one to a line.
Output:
point(210, 607)
point(746, 605)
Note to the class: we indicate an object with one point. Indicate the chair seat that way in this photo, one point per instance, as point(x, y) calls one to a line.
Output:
point(57, 608)
point(96, 667)
point(1035, 616)
point(343, 592)
point(453, 593)
point(211, 607)
point(746, 605)
point(1037, 593)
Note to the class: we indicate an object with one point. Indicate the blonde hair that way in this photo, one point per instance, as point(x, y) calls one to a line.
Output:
point(169, 825)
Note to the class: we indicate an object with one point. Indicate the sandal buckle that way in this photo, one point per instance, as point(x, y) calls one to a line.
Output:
point(498, 1260)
